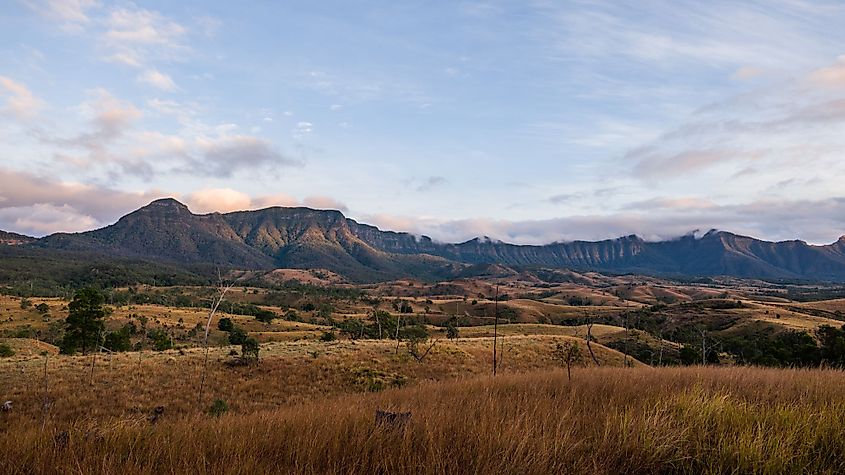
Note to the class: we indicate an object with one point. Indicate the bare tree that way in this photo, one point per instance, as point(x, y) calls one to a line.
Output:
point(589, 339)
point(45, 404)
point(215, 304)
point(566, 354)
point(495, 329)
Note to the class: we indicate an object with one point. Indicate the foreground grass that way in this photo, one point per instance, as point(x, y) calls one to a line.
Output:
point(607, 420)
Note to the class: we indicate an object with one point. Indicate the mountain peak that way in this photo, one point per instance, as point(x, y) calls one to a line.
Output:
point(165, 205)
point(167, 202)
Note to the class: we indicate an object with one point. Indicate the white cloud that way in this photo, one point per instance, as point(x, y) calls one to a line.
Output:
point(17, 100)
point(225, 200)
point(157, 79)
point(656, 220)
point(324, 202)
point(40, 205)
point(72, 15)
point(221, 200)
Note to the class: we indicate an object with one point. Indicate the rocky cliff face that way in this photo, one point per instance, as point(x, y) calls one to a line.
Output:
point(307, 238)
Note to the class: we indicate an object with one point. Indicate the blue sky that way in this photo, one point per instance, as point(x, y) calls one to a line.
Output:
point(525, 121)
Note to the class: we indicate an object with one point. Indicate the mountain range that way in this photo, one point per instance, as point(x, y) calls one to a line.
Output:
point(167, 231)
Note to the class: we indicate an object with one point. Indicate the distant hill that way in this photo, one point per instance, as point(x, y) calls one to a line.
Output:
point(166, 231)
point(13, 239)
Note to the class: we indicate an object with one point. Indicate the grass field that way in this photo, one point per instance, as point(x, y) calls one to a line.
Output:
point(607, 420)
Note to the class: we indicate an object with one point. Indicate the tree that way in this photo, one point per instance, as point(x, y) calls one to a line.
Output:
point(250, 349)
point(414, 336)
point(237, 336)
point(451, 329)
point(225, 324)
point(6, 350)
point(119, 340)
point(161, 340)
point(567, 353)
point(84, 324)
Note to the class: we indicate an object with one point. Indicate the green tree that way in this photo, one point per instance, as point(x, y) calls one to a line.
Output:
point(250, 349)
point(161, 340)
point(237, 336)
point(84, 324)
point(451, 329)
point(6, 350)
point(225, 324)
point(119, 340)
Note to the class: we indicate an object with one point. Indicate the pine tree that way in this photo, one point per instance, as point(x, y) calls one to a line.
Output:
point(84, 324)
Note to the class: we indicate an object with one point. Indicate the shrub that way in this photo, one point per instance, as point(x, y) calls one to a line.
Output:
point(218, 408)
point(250, 349)
point(161, 340)
point(328, 336)
point(119, 340)
point(6, 350)
point(451, 329)
point(225, 324)
point(237, 336)
point(42, 308)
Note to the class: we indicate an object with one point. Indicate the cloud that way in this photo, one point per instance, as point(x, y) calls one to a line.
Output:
point(72, 15)
point(430, 183)
point(158, 80)
point(137, 26)
point(34, 204)
point(41, 219)
point(656, 220)
point(830, 76)
point(17, 100)
point(224, 200)
point(137, 37)
point(221, 200)
point(109, 120)
point(223, 155)
point(775, 127)
point(324, 202)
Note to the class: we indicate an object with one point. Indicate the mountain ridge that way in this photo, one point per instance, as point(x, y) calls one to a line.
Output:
point(298, 237)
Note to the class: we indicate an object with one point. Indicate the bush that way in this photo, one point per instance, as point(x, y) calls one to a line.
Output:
point(218, 408)
point(250, 349)
point(237, 336)
point(119, 340)
point(161, 340)
point(42, 308)
point(225, 324)
point(328, 336)
point(6, 350)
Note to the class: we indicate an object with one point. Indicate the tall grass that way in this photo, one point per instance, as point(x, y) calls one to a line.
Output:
point(606, 420)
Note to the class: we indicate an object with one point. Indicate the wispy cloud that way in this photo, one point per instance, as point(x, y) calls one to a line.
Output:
point(17, 100)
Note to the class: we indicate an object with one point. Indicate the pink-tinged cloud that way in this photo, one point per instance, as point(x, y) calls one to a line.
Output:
point(40, 205)
point(324, 202)
point(221, 200)
point(17, 100)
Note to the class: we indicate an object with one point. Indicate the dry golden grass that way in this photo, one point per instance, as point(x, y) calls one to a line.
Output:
point(130, 384)
point(642, 420)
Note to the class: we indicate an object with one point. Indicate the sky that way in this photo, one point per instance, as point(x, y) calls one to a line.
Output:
point(526, 121)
